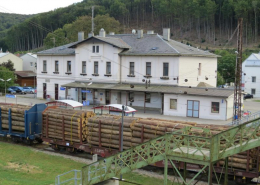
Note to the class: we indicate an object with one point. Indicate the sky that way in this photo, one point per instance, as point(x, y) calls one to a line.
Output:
point(33, 6)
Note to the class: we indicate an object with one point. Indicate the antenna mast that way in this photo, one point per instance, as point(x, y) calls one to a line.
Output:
point(238, 74)
point(92, 20)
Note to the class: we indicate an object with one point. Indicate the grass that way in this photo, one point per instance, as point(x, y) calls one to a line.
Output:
point(256, 100)
point(21, 165)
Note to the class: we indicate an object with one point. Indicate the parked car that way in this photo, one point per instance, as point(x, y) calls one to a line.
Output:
point(248, 96)
point(29, 90)
point(11, 91)
point(222, 86)
point(18, 89)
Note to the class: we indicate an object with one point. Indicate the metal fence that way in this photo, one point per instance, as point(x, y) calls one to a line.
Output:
point(245, 119)
point(72, 177)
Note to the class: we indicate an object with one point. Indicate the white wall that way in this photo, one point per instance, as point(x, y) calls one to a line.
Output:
point(250, 72)
point(107, 53)
point(204, 106)
point(27, 60)
point(188, 69)
point(156, 68)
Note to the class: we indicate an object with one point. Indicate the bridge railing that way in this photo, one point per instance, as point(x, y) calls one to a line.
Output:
point(245, 119)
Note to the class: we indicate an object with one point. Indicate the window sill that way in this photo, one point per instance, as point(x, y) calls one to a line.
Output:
point(147, 76)
point(83, 74)
point(108, 75)
point(68, 73)
point(55, 72)
point(44, 71)
point(164, 77)
point(131, 75)
point(95, 74)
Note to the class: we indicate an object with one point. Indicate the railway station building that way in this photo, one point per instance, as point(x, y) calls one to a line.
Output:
point(147, 71)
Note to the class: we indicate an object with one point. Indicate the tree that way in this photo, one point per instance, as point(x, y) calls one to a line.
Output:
point(220, 79)
point(9, 65)
point(6, 74)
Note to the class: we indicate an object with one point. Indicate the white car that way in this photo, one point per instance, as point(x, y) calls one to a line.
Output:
point(29, 90)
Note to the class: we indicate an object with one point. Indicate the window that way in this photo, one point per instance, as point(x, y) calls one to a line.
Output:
point(31, 64)
point(44, 65)
point(95, 49)
point(84, 67)
point(69, 66)
point(252, 91)
point(148, 68)
point(199, 70)
point(132, 68)
point(108, 69)
point(173, 104)
point(165, 69)
point(56, 66)
point(131, 97)
point(214, 107)
point(96, 67)
point(147, 97)
point(253, 79)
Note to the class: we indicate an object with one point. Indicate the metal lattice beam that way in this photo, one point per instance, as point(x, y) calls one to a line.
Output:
point(176, 146)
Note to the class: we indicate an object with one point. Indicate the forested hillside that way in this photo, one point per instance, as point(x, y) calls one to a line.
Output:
point(7, 20)
point(210, 22)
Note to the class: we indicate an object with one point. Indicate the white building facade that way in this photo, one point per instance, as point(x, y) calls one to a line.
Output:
point(251, 75)
point(141, 70)
point(29, 62)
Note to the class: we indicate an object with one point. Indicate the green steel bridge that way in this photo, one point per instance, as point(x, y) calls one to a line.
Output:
point(183, 145)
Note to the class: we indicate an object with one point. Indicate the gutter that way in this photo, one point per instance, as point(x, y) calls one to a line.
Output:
point(226, 109)
point(120, 69)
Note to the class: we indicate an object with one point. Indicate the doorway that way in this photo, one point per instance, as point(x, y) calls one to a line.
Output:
point(193, 108)
point(44, 90)
point(56, 91)
point(107, 97)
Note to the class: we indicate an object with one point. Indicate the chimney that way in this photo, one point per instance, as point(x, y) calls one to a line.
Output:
point(166, 34)
point(150, 32)
point(1, 51)
point(81, 36)
point(91, 34)
point(102, 33)
point(140, 34)
point(111, 33)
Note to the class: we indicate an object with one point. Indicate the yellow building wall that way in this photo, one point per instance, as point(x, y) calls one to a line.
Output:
point(18, 62)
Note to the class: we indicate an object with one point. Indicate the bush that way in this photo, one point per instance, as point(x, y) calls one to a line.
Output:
point(203, 40)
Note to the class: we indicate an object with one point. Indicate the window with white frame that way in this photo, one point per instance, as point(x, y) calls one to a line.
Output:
point(148, 68)
point(252, 91)
point(84, 66)
point(69, 66)
point(44, 65)
point(31, 64)
point(56, 66)
point(253, 78)
point(131, 68)
point(214, 107)
point(173, 104)
point(95, 67)
point(108, 68)
point(95, 49)
point(165, 69)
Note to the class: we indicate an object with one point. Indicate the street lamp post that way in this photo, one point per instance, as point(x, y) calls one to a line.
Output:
point(5, 85)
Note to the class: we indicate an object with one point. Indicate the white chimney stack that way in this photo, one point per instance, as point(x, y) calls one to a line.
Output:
point(102, 32)
point(166, 34)
point(91, 34)
point(81, 36)
point(140, 34)
point(111, 33)
point(150, 32)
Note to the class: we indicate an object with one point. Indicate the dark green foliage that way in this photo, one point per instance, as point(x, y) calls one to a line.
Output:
point(9, 65)
point(185, 18)
point(5, 74)
point(8, 20)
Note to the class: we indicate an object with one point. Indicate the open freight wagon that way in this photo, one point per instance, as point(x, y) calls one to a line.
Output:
point(20, 122)
point(77, 130)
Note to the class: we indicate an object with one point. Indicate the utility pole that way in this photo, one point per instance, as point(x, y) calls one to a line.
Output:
point(92, 29)
point(238, 74)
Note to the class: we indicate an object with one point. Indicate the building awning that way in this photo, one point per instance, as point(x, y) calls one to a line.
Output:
point(71, 103)
point(166, 89)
